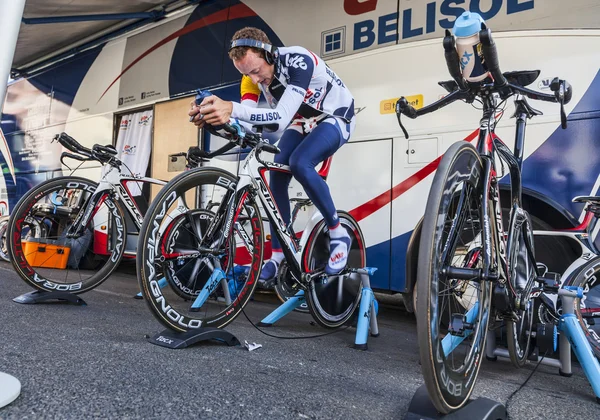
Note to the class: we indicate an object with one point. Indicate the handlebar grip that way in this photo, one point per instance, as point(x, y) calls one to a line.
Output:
point(490, 55)
point(109, 149)
point(65, 142)
point(195, 152)
point(72, 144)
point(268, 147)
point(403, 107)
point(452, 61)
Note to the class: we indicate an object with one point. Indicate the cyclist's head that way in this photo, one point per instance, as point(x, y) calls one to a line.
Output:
point(252, 61)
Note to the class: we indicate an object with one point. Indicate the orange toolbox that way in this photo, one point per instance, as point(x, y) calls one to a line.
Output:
point(46, 253)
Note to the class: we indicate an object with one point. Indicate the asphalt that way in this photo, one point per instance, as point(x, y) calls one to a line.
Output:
point(94, 362)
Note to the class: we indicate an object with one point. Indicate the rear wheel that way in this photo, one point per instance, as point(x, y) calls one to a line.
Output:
point(453, 313)
point(333, 300)
point(523, 273)
point(43, 251)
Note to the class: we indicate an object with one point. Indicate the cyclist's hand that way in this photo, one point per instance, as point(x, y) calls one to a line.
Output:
point(216, 111)
point(195, 115)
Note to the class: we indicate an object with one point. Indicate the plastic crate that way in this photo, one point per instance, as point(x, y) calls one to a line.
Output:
point(46, 253)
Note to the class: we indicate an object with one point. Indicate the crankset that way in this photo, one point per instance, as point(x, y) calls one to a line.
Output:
point(320, 277)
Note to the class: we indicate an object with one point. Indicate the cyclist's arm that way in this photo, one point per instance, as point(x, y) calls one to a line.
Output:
point(249, 95)
point(300, 74)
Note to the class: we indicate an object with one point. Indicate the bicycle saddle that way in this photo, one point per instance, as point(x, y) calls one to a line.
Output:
point(587, 199)
point(521, 77)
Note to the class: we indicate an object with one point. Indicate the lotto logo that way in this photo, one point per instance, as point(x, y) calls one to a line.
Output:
point(337, 257)
point(296, 62)
point(128, 149)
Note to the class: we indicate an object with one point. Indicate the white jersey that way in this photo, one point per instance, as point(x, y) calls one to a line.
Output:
point(303, 87)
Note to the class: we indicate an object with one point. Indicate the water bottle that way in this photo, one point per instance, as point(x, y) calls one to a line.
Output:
point(466, 31)
point(200, 95)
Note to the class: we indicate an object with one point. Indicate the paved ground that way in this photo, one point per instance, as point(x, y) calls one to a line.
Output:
point(93, 361)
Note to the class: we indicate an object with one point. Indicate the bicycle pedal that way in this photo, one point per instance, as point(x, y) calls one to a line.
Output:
point(549, 276)
point(549, 281)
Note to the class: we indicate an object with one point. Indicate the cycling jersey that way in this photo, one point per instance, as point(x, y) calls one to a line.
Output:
point(303, 87)
point(249, 92)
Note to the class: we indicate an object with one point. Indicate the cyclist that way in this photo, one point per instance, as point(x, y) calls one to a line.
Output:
point(316, 108)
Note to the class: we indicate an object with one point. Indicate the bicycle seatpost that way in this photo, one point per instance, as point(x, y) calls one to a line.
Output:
point(595, 210)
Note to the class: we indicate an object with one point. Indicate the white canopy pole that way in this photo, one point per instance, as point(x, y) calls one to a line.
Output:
point(10, 22)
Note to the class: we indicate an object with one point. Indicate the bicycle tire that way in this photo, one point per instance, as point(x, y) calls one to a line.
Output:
point(518, 339)
point(333, 304)
point(3, 238)
point(150, 240)
point(588, 278)
point(449, 389)
point(36, 276)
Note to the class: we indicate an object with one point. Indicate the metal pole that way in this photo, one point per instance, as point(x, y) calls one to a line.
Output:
point(10, 22)
point(88, 18)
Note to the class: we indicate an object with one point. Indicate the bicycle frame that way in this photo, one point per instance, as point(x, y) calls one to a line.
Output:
point(584, 238)
point(494, 237)
point(114, 184)
point(252, 182)
point(488, 146)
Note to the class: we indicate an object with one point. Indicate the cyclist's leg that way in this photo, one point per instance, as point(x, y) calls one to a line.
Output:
point(318, 145)
point(279, 183)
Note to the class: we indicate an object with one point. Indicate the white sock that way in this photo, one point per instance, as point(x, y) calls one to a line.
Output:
point(277, 256)
point(338, 232)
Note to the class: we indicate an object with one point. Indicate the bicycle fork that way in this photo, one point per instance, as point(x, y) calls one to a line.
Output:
point(218, 276)
point(461, 326)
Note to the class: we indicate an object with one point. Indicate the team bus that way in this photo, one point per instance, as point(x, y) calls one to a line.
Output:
point(134, 91)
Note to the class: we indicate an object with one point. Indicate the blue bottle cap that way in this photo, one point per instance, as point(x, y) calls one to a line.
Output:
point(467, 24)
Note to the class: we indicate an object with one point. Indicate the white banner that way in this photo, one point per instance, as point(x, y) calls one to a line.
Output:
point(134, 144)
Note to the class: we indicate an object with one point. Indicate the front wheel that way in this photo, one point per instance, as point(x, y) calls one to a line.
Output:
point(333, 300)
point(453, 313)
point(195, 269)
point(47, 248)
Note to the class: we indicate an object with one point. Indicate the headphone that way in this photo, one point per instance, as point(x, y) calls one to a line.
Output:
point(271, 52)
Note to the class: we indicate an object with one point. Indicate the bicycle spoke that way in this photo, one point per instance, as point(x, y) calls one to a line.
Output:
point(58, 260)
